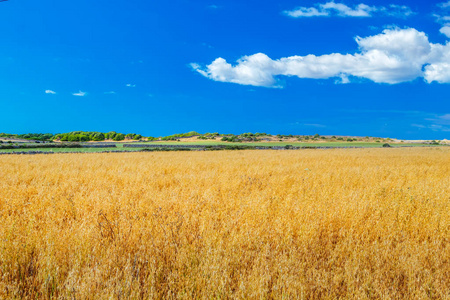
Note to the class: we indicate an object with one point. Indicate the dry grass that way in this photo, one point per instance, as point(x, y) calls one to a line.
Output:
point(365, 224)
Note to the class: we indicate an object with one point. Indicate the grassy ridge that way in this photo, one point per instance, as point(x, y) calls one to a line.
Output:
point(368, 223)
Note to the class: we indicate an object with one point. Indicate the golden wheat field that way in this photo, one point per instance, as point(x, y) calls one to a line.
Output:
point(308, 224)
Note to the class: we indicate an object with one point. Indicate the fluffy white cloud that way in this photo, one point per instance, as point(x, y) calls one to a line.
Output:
point(446, 30)
point(394, 56)
point(50, 92)
point(439, 67)
point(444, 20)
point(130, 85)
point(79, 94)
point(342, 10)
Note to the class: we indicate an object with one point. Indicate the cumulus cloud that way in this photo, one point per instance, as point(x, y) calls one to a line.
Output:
point(130, 85)
point(342, 10)
point(394, 56)
point(50, 92)
point(445, 30)
point(79, 94)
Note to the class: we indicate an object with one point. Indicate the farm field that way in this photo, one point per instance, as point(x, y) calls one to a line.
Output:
point(316, 144)
point(298, 144)
point(329, 224)
point(215, 143)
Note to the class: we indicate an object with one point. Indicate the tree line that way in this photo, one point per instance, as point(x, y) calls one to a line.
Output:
point(75, 136)
point(87, 136)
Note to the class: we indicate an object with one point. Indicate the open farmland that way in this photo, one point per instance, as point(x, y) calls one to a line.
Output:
point(311, 224)
point(199, 145)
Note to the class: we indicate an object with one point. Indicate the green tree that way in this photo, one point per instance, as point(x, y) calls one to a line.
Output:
point(119, 137)
point(73, 138)
point(98, 136)
point(111, 135)
point(83, 138)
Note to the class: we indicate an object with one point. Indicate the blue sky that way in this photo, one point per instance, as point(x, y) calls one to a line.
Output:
point(379, 68)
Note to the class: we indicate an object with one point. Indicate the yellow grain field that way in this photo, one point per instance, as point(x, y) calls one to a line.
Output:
point(309, 224)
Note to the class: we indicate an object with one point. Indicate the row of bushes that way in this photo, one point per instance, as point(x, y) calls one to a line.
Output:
point(29, 136)
point(85, 136)
point(180, 135)
point(75, 136)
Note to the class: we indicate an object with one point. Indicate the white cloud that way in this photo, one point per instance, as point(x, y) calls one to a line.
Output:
point(110, 93)
point(130, 85)
point(434, 127)
point(342, 10)
point(442, 119)
point(399, 11)
point(444, 20)
point(315, 125)
point(79, 94)
point(444, 5)
point(306, 12)
point(436, 123)
point(50, 92)
point(343, 79)
point(445, 30)
point(394, 56)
